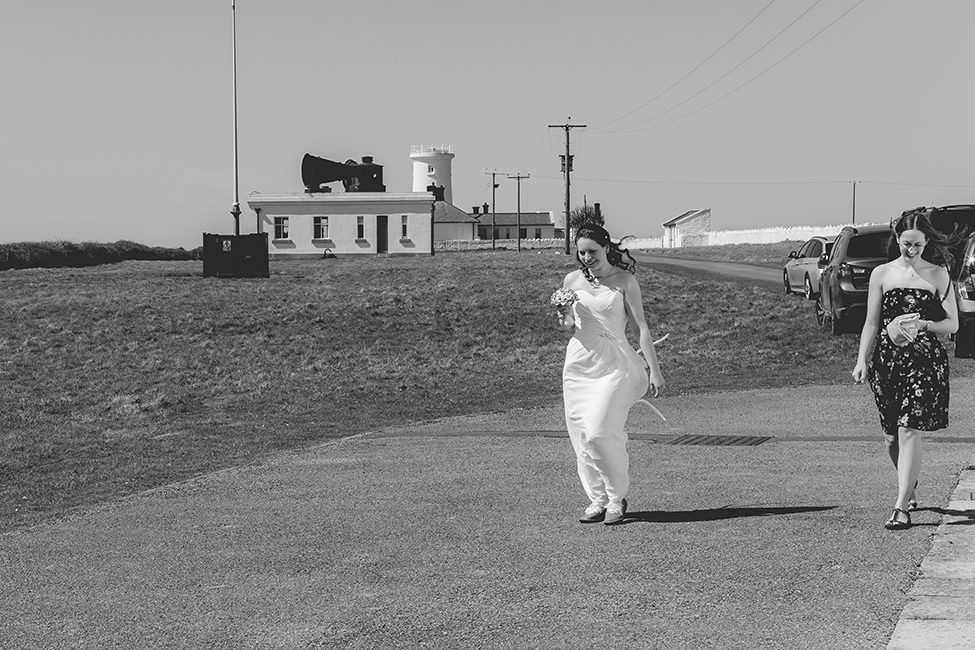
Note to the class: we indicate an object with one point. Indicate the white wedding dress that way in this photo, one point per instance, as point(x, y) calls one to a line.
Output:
point(602, 378)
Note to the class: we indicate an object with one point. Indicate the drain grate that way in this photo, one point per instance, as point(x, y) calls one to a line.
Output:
point(721, 441)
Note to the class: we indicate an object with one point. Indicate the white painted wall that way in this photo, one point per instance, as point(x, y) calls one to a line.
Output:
point(425, 156)
point(772, 235)
point(454, 231)
point(343, 211)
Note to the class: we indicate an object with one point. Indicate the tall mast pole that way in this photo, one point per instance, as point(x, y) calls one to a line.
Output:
point(235, 210)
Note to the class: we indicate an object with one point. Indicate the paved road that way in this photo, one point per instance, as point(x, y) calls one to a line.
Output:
point(748, 271)
point(426, 536)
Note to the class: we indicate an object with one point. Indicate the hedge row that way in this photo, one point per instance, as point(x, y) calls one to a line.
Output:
point(57, 254)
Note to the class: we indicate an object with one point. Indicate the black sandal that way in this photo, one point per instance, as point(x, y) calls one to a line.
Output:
point(894, 523)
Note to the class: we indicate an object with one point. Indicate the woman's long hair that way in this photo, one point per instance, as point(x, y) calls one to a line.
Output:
point(937, 250)
point(614, 253)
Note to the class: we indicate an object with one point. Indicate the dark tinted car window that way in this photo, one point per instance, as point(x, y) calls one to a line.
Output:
point(816, 249)
point(868, 245)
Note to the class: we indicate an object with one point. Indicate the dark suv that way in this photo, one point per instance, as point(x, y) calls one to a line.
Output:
point(845, 275)
point(857, 251)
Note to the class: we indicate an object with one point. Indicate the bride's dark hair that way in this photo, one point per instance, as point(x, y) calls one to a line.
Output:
point(614, 252)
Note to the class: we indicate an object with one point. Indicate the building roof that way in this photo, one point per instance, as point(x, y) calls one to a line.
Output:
point(444, 212)
point(687, 216)
point(511, 219)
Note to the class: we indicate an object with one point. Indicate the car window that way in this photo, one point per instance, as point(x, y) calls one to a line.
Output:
point(815, 248)
point(803, 250)
point(868, 245)
point(829, 247)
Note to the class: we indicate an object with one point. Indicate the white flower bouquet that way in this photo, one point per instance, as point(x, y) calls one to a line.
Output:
point(563, 298)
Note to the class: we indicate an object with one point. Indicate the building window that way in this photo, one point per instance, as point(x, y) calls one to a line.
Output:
point(321, 227)
point(360, 227)
point(281, 227)
point(430, 169)
point(404, 235)
point(507, 233)
point(538, 233)
point(523, 233)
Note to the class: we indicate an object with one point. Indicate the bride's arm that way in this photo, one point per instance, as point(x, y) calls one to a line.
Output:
point(634, 306)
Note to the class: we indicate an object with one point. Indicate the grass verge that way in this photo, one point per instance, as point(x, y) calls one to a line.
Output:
point(119, 378)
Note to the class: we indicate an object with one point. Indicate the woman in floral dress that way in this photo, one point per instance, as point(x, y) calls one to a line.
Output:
point(910, 302)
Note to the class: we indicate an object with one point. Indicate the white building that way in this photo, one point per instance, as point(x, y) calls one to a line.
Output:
point(320, 223)
point(349, 223)
point(689, 229)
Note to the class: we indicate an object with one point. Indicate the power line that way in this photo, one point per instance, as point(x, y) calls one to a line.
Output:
point(743, 62)
point(662, 182)
point(666, 90)
point(631, 130)
point(659, 182)
point(540, 140)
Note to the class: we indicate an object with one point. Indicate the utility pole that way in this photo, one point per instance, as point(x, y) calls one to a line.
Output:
point(518, 226)
point(235, 210)
point(567, 167)
point(855, 201)
point(494, 186)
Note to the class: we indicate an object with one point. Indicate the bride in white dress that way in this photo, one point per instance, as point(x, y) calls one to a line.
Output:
point(603, 375)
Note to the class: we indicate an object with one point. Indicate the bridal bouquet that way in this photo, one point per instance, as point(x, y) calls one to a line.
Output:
point(563, 298)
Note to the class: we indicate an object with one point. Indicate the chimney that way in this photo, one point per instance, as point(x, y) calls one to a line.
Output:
point(437, 192)
point(595, 206)
point(367, 160)
point(485, 208)
point(477, 209)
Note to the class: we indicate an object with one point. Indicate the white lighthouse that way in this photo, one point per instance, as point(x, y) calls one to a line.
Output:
point(431, 166)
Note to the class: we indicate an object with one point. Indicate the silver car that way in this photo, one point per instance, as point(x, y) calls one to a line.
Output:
point(801, 272)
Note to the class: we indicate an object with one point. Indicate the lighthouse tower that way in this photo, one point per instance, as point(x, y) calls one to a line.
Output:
point(431, 166)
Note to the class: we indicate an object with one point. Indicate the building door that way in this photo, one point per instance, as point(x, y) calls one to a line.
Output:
point(382, 234)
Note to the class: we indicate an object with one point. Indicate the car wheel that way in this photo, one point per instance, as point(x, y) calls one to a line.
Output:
point(823, 317)
point(808, 289)
point(785, 281)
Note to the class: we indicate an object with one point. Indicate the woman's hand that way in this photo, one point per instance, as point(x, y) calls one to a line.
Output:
point(860, 372)
point(657, 384)
point(903, 329)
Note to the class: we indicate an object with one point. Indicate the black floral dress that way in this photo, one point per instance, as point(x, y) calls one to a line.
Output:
point(910, 383)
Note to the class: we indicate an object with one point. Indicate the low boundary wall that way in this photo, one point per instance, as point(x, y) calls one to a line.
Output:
point(714, 238)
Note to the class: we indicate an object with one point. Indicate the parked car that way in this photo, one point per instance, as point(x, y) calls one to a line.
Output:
point(845, 275)
point(801, 273)
point(857, 251)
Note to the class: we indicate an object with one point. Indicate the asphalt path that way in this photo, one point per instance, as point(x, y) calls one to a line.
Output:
point(747, 271)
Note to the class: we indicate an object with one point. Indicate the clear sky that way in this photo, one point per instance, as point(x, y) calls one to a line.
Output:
point(117, 118)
